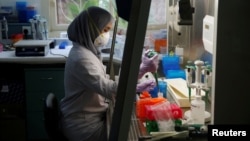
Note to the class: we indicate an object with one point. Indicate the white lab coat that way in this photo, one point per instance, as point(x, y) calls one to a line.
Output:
point(87, 88)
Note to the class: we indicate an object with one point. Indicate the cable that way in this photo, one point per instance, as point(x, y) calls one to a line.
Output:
point(57, 54)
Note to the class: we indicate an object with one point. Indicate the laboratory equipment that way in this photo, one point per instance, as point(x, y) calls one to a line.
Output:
point(150, 54)
point(208, 33)
point(3, 28)
point(110, 70)
point(39, 28)
point(198, 84)
point(32, 47)
point(185, 11)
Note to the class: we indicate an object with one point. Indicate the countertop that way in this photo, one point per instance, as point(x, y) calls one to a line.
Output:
point(55, 55)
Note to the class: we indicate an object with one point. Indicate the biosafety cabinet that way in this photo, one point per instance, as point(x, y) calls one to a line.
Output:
point(229, 57)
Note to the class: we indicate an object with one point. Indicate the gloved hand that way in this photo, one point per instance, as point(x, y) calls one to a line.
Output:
point(146, 85)
point(148, 64)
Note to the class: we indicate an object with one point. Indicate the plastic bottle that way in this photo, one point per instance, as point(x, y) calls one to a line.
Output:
point(198, 110)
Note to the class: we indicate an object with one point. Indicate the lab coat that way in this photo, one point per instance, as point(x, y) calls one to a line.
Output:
point(87, 90)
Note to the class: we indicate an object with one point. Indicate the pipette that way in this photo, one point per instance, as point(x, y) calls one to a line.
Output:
point(150, 54)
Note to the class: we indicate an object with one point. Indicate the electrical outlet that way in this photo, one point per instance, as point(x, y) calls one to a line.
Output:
point(28, 28)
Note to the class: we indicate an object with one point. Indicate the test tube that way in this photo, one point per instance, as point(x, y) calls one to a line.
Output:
point(189, 78)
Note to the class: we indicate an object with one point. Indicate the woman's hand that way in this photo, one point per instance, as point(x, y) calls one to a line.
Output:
point(149, 63)
point(146, 85)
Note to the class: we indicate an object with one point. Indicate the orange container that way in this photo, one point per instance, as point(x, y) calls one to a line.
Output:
point(142, 103)
point(159, 43)
point(145, 94)
point(16, 37)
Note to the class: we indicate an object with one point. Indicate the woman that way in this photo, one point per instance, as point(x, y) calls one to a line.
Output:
point(87, 87)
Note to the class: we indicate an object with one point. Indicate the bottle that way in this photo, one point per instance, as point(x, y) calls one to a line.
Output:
point(198, 110)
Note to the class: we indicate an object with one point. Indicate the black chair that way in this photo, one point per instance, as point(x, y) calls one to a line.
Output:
point(52, 118)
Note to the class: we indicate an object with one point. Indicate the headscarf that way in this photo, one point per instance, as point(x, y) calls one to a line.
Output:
point(86, 27)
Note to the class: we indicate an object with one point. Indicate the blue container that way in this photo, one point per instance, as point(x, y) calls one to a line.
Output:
point(21, 8)
point(163, 88)
point(176, 74)
point(30, 13)
point(21, 5)
point(154, 92)
point(170, 63)
point(22, 16)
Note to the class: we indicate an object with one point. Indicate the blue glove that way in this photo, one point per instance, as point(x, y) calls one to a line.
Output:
point(146, 85)
point(148, 64)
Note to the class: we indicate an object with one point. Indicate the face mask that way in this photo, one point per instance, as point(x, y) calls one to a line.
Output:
point(102, 39)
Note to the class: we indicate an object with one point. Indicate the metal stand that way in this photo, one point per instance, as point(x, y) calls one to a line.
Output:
point(39, 28)
point(198, 84)
point(3, 27)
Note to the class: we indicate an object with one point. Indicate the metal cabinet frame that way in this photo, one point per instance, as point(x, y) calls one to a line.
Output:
point(129, 70)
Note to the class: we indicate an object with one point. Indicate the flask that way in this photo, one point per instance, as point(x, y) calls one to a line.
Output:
point(198, 110)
